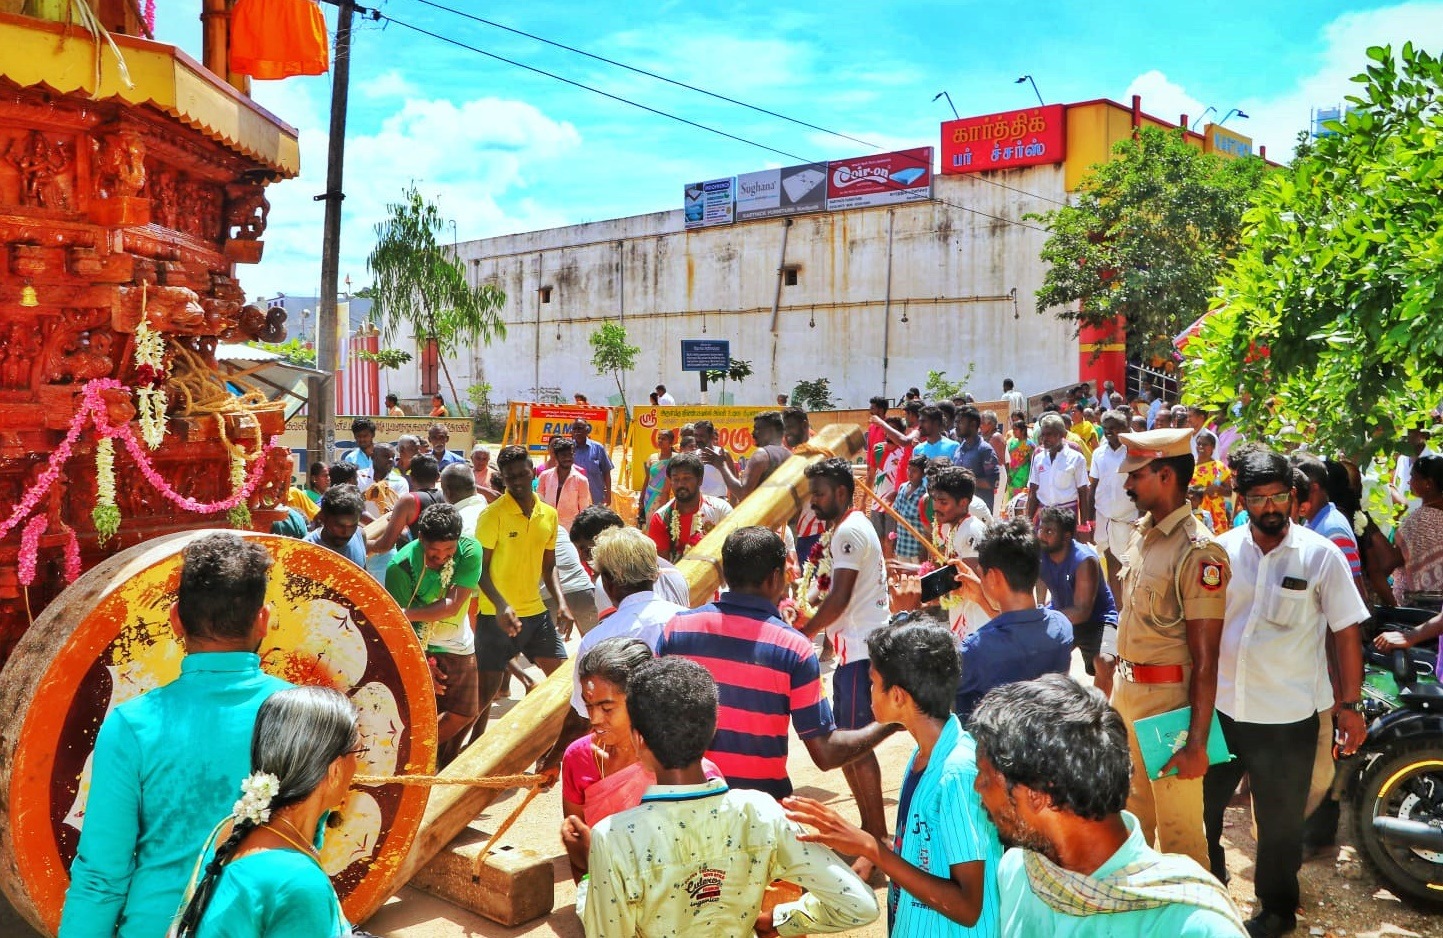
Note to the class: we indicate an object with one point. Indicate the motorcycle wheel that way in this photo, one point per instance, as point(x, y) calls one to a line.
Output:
point(1407, 785)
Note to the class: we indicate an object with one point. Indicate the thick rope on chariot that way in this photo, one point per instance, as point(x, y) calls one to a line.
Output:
point(499, 782)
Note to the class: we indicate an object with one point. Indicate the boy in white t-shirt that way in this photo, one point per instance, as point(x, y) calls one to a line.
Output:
point(852, 583)
point(956, 532)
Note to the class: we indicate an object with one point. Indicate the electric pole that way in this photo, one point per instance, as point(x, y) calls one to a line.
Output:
point(321, 408)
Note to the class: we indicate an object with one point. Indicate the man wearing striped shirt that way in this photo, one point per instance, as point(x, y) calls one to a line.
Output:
point(766, 672)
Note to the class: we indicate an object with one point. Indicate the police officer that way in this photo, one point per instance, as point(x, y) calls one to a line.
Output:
point(1174, 582)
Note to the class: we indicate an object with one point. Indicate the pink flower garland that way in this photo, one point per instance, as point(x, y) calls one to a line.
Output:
point(93, 409)
point(150, 16)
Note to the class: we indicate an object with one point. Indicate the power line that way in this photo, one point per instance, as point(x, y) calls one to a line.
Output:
point(666, 114)
point(703, 91)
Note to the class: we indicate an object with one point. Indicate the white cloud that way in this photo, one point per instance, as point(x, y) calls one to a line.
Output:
point(476, 158)
point(1275, 120)
point(388, 84)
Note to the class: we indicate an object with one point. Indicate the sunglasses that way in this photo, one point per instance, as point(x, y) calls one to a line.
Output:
point(1279, 500)
point(358, 751)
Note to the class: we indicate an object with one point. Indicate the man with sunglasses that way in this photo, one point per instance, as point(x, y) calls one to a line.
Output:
point(1290, 587)
point(1174, 583)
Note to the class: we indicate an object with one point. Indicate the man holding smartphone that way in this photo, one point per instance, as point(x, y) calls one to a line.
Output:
point(1290, 586)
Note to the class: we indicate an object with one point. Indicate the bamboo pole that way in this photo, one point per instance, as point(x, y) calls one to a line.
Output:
point(513, 743)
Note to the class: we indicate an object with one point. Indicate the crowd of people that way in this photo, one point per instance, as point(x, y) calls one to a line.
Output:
point(1200, 577)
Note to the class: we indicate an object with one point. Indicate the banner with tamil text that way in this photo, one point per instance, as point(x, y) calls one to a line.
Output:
point(733, 430)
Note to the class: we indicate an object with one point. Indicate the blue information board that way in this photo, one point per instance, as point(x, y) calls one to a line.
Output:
point(705, 354)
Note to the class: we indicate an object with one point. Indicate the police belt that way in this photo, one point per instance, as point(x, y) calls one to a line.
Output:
point(1150, 673)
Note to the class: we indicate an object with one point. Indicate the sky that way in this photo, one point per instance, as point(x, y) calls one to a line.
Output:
point(504, 150)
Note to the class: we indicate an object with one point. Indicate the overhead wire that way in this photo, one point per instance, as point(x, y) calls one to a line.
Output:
point(707, 92)
point(377, 15)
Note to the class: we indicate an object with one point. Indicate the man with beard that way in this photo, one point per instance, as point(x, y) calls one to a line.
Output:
point(681, 523)
point(851, 575)
point(1072, 574)
point(1174, 591)
point(1080, 866)
point(770, 454)
point(1290, 587)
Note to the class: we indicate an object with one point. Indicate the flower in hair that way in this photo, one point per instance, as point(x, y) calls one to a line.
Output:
point(257, 791)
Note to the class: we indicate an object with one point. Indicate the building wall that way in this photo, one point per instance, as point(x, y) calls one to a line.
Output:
point(953, 271)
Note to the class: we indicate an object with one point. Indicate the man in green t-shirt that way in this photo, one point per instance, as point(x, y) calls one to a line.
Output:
point(432, 578)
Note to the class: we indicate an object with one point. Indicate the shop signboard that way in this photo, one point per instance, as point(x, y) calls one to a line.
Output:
point(1225, 143)
point(548, 420)
point(793, 190)
point(733, 431)
point(709, 203)
point(884, 179)
point(1034, 136)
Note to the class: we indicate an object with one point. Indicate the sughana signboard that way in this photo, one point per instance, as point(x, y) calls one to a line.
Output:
point(1033, 136)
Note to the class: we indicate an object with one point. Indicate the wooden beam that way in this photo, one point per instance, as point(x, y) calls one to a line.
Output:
point(513, 743)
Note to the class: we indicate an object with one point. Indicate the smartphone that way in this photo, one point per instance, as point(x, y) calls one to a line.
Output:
point(939, 582)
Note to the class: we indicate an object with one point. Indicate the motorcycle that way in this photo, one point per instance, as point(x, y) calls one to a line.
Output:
point(1394, 782)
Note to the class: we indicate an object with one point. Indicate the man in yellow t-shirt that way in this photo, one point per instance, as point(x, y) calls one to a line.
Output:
point(517, 533)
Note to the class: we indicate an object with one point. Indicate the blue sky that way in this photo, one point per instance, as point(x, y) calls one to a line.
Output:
point(505, 150)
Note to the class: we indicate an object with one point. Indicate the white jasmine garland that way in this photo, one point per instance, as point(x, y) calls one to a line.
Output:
point(149, 397)
point(258, 790)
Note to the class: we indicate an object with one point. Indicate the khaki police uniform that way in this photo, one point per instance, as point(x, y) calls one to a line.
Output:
point(1172, 571)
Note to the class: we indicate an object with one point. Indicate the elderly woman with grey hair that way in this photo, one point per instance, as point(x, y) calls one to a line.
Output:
point(264, 878)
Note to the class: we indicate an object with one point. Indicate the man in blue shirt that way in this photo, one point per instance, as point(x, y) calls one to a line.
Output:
point(168, 765)
point(592, 459)
point(930, 441)
point(1072, 573)
point(340, 524)
point(975, 453)
point(1023, 641)
point(943, 859)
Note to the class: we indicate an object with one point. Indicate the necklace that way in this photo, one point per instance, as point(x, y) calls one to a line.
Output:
point(308, 849)
point(818, 571)
point(700, 525)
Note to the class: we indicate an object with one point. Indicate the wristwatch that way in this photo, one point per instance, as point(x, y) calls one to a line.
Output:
point(1354, 705)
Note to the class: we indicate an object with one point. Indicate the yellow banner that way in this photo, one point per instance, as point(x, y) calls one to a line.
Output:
point(733, 430)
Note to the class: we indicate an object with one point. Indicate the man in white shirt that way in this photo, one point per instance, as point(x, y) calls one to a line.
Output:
point(1112, 511)
point(1059, 476)
point(663, 398)
point(1016, 402)
point(713, 483)
point(1290, 586)
point(856, 603)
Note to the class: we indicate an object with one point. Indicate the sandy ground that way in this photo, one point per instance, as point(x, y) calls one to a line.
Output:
point(1339, 896)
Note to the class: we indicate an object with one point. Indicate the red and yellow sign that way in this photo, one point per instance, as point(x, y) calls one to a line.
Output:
point(733, 431)
point(548, 420)
point(1031, 137)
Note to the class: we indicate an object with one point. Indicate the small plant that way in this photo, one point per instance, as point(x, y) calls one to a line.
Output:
point(483, 421)
point(392, 358)
point(814, 395)
point(611, 354)
point(295, 351)
point(737, 371)
point(938, 388)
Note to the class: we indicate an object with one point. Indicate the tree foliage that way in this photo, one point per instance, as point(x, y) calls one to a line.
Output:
point(1147, 238)
point(392, 358)
point(295, 351)
point(1330, 318)
point(938, 388)
point(420, 285)
point(612, 354)
point(814, 395)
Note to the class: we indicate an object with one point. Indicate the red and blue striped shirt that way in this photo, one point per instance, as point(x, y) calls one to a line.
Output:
point(766, 673)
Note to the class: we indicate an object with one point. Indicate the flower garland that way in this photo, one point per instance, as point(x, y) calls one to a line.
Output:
point(700, 525)
point(447, 574)
point(150, 375)
point(106, 516)
point(817, 571)
point(953, 599)
point(258, 790)
point(93, 409)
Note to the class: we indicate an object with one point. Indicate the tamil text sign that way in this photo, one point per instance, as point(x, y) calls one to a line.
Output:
point(733, 431)
point(1031, 137)
point(774, 192)
point(548, 420)
point(709, 203)
point(884, 179)
point(705, 354)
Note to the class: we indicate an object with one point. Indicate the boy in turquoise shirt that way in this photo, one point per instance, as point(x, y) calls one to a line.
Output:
point(943, 859)
point(167, 765)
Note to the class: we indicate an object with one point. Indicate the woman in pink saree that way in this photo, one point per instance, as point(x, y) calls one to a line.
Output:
point(600, 773)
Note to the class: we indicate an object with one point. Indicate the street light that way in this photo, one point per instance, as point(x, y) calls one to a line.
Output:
point(1028, 79)
point(1230, 114)
point(1200, 117)
point(943, 94)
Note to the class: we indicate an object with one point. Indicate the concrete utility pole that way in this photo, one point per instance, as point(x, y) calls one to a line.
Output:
point(321, 408)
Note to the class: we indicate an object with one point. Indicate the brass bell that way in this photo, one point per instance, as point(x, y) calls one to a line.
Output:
point(28, 297)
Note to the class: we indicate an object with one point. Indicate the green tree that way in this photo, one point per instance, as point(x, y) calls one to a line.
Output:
point(420, 285)
point(938, 388)
point(611, 354)
point(737, 370)
point(1151, 230)
point(814, 395)
point(294, 351)
point(1330, 317)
